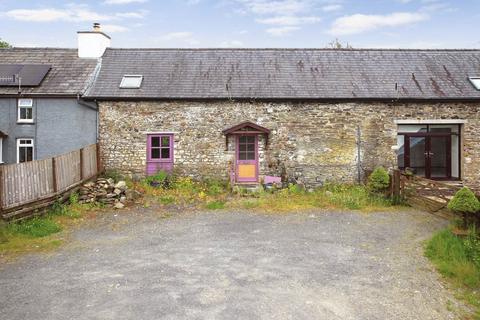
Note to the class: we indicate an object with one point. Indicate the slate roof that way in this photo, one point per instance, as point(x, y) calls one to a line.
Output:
point(69, 74)
point(289, 74)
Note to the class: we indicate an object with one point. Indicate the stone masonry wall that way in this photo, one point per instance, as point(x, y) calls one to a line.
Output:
point(310, 142)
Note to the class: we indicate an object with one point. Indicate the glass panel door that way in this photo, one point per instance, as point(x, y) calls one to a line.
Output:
point(439, 155)
point(417, 150)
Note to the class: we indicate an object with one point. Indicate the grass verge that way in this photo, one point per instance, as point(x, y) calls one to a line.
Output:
point(42, 233)
point(457, 260)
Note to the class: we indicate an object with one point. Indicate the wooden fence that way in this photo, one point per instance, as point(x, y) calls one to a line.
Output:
point(27, 186)
point(422, 193)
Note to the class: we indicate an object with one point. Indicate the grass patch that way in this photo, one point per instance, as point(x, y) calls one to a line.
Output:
point(37, 227)
point(215, 205)
point(349, 197)
point(456, 259)
point(42, 233)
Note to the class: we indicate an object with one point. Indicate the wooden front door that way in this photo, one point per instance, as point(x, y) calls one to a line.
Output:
point(247, 158)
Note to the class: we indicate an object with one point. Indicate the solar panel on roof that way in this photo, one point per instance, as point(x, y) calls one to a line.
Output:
point(28, 75)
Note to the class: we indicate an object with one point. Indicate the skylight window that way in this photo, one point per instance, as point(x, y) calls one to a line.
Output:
point(475, 81)
point(131, 81)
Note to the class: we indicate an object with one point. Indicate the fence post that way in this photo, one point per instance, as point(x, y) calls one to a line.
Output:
point(54, 174)
point(81, 165)
point(396, 183)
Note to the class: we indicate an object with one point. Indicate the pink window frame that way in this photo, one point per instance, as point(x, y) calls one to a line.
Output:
point(149, 147)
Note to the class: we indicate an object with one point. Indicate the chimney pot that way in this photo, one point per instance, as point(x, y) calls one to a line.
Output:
point(96, 27)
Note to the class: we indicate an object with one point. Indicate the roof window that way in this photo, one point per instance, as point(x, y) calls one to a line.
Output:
point(131, 81)
point(475, 81)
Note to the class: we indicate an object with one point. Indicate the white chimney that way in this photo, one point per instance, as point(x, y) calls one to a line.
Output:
point(92, 44)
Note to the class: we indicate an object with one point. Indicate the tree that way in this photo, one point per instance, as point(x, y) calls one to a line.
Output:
point(337, 44)
point(4, 44)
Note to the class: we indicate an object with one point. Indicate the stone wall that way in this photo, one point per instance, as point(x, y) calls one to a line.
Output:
point(312, 142)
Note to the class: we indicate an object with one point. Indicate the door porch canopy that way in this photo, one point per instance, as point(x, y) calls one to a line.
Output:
point(246, 127)
point(3, 135)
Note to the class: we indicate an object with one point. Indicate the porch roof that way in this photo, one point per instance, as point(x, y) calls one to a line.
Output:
point(245, 127)
point(3, 135)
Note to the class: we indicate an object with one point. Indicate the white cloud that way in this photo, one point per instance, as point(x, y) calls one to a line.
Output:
point(332, 7)
point(359, 23)
point(123, 1)
point(232, 44)
point(112, 28)
point(48, 15)
point(288, 20)
point(133, 14)
point(279, 7)
point(281, 31)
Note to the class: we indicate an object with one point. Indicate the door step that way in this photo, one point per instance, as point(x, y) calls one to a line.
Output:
point(247, 188)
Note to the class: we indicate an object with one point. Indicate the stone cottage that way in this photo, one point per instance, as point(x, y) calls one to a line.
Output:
point(302, 114)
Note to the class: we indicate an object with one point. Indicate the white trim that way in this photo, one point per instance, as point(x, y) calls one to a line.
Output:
point(432, 121)
point(24, 104)
point(31, 144)
point(1, 150)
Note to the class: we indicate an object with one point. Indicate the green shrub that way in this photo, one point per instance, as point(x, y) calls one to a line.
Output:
point(379, 180)
point(161, 178)
point(215, 205)
point(464, 202)
point(35, 227)
point(215, 187)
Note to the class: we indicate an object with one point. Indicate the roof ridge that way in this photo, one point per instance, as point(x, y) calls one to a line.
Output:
point(294, 49)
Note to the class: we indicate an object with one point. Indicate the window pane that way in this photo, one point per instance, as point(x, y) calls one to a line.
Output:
point(447, 128)
point(165, 153)
point(250, 155)
point(155, 154)
point(455, 156)
point(242, 147)
point(242, 156)
point(412, 128)
point(29, 113)
point(21, 154)
point(401, 151)
point(29, 156)
point(23, 113)
point(251, 147)
point(165, 141)
point(155, 141)
point(417, 155)
point(242, 139)
point(251, 139)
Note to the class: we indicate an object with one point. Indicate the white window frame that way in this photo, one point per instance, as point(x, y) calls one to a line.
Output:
point(475, 81)
point(127, 77)
point(1, 150)
point(31, 144)
point(24, 104)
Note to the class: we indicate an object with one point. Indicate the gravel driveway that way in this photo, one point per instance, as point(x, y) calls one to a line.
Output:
point(138, 264)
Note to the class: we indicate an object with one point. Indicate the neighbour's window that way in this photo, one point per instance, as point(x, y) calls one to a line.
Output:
point(24, 150)
point(25, 110)
point(160, 147)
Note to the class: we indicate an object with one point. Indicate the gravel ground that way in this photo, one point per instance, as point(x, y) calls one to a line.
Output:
point(140, 264)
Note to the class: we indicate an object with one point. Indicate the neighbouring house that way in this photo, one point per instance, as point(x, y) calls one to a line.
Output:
point(303, 114)
point(42, 111)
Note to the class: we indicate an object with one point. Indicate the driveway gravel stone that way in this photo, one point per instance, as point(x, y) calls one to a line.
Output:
point(143, 264)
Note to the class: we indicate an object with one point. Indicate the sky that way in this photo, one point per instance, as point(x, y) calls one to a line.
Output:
point(428, 24)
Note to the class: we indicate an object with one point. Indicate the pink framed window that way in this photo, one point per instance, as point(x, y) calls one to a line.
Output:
point(160, 148)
